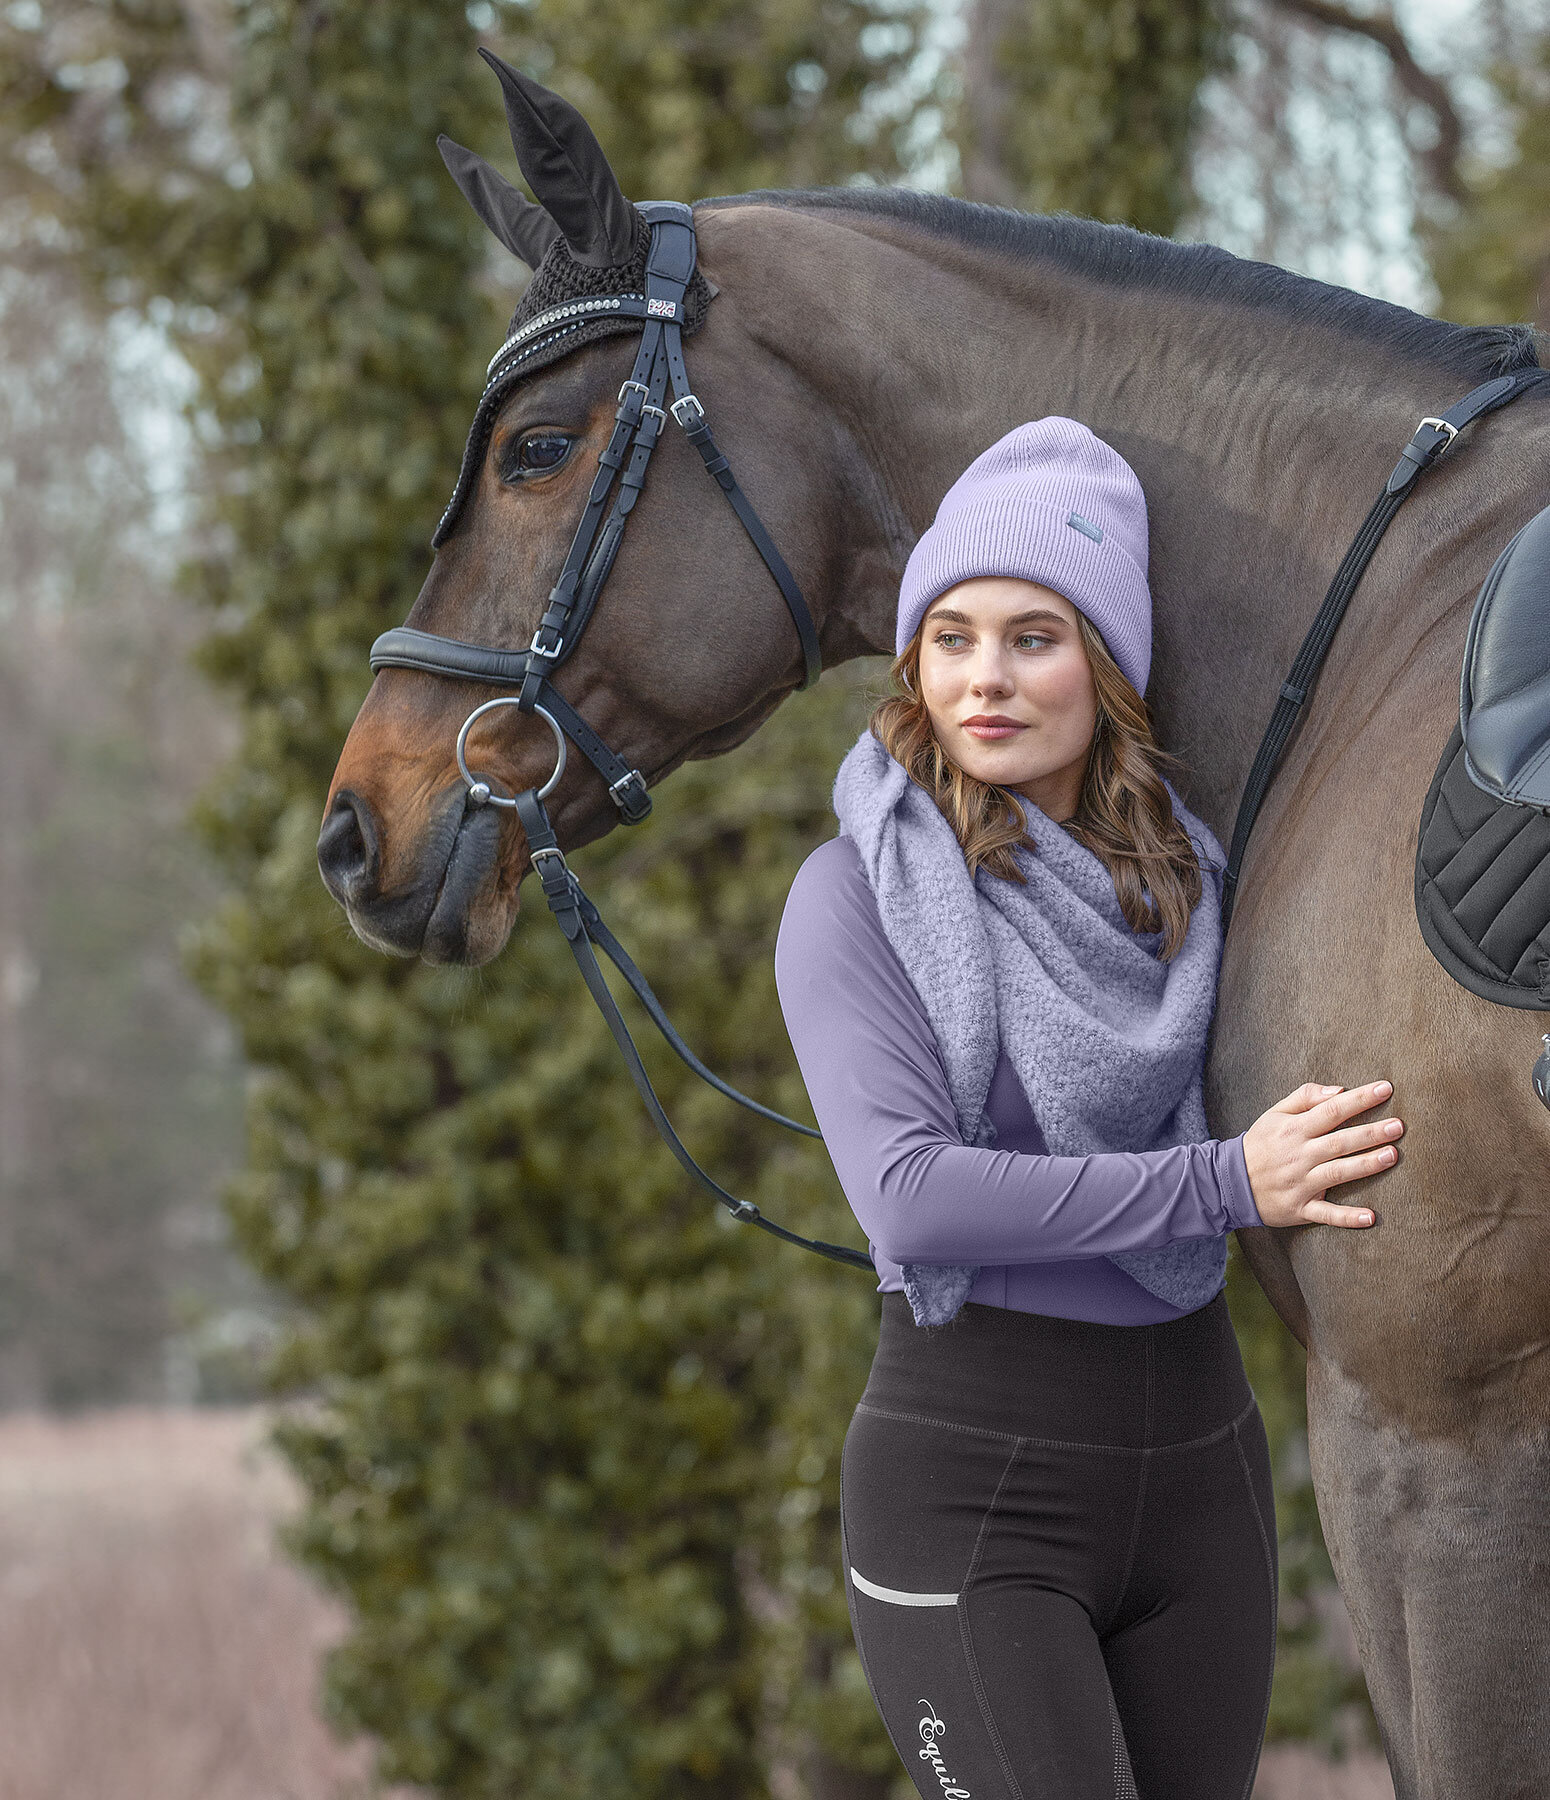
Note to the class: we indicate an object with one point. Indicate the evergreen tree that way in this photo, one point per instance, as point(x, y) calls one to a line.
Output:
point(698, 97)
point(562, 1459)
point(1085, 106)
point(1492, 260)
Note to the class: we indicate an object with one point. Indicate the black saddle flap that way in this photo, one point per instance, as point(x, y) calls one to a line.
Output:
point(1482, 887)
point(1504, 690)
point(1482, 868)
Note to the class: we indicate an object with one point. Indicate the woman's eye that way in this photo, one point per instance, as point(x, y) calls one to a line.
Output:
point(948, 638)
point(1032, 637)
point(543, 451)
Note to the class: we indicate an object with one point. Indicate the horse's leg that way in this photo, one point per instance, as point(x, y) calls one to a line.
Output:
point(1443, 1555)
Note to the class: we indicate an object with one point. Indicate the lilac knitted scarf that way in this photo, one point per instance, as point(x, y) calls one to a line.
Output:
point(1107, 1041)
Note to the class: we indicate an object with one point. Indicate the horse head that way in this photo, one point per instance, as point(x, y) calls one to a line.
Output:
point(693, 644)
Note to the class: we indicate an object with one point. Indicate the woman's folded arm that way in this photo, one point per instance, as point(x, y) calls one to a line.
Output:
point(879, 1091)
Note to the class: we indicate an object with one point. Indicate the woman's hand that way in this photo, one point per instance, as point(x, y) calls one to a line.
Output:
point(1296, 1150)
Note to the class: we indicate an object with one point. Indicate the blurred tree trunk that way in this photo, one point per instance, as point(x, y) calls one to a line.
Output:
point(118, 1089)
point(986, 156)
point(21, 1384)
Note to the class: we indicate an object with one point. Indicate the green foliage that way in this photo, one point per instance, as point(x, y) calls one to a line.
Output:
point(1093, 101)
point(1109, 99)
point(575, 1428)
point(697, 97)
point(1492, 262)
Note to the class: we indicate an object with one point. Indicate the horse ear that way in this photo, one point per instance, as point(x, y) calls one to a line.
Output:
point(566, 168)
point(526, 230)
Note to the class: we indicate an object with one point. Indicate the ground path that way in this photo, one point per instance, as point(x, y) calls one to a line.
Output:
point(154, 1643)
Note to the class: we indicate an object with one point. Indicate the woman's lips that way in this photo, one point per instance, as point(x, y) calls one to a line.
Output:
point(990, 731)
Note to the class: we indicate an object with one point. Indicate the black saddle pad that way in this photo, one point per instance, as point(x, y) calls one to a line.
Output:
point(1482, 871)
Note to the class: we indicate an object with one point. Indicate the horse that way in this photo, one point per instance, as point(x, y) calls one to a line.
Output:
point(862, 346)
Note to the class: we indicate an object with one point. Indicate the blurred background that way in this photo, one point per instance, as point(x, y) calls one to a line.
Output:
point(383, 1257)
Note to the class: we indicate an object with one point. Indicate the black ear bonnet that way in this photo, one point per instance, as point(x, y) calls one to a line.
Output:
point(560, 294)
point(577, 288)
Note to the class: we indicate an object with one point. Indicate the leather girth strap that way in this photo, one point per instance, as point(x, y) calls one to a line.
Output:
point(1431, 438)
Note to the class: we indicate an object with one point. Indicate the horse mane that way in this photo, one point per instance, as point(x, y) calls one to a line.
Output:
point(1123, 257)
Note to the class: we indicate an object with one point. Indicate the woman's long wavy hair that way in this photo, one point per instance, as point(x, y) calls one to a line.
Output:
point(1124, 815)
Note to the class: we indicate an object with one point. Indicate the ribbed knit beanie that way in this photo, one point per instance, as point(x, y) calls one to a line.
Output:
point(1054, 504)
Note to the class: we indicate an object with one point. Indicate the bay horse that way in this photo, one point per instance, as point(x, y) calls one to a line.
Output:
point(862, 347)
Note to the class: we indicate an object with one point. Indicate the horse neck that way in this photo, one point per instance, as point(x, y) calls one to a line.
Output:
point(1260, 441)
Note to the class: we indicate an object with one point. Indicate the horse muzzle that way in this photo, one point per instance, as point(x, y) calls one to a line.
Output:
point(443, 904)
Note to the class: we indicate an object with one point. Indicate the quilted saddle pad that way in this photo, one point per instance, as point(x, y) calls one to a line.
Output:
point(1482, 887)
point(1482, 870)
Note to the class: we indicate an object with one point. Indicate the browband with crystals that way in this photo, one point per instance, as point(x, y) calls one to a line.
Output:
point(631, 306)
point(643, 409)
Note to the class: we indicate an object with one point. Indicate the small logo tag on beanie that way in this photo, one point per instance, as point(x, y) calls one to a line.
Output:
point(1086, 527)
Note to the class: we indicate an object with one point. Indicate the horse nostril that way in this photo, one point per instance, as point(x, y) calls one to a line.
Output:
point(347, 851)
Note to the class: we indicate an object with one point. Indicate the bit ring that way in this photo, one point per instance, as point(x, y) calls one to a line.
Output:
point(478, 789)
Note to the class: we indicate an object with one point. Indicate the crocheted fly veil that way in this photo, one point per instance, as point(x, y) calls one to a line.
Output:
point(585, 243)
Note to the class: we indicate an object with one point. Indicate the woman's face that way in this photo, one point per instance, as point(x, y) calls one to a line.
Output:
point(1005, 678)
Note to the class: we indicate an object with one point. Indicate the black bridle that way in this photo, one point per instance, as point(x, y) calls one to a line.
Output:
point(639, 421)
point(638, 425)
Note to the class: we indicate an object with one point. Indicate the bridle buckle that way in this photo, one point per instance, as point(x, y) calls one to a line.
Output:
point(1439, 425)
point(687, 400)
point(534, 648)
point(629, 794)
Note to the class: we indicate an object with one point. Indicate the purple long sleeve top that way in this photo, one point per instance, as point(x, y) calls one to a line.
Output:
point(1040, 1227)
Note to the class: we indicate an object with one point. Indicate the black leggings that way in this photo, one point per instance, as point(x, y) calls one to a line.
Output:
point(1060, 1552)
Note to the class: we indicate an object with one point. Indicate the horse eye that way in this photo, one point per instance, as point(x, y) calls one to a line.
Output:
point(543, 451)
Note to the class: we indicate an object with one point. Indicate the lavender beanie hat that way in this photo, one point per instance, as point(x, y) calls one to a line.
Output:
point(1054, 504)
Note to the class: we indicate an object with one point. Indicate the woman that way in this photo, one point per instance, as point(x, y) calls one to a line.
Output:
point(1057, 1516)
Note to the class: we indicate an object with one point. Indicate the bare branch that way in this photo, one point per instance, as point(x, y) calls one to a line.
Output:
point(1441, 161)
